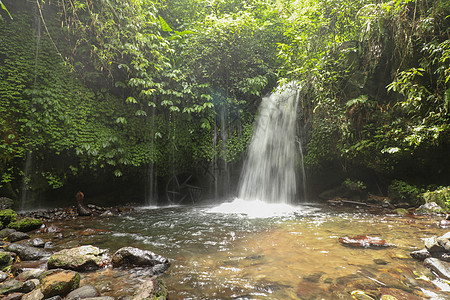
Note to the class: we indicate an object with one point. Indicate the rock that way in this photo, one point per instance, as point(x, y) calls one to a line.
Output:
point(3, 276)
point(5, 232)
point(26, 252)
point(441, 268)
point(29, 265)
point(6, 203)
point(34, 295)
point(14, 296)
point(7, 216)
point(102, 298)
point(440, 196)
point(87, 291)
point(364, 241)
point(360, 295)
point(59, 282)
point(48, 245)
point(444, 223)
point(26, 224)
point(37, 242)
point(17, 236)
point(398, 294)
point(153, 288)
point(30, 285)
point(429, 208)
point(30, 274)
point(5, 258)
point(83, 258)
point(57, 297)
point(433, 246)
point(420, 254)
point(11, 286)
point(129, 256)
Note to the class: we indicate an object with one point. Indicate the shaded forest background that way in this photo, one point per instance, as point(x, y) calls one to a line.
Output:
point(114, 96)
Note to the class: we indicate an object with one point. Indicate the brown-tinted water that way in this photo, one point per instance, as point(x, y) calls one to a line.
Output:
point(293, 256)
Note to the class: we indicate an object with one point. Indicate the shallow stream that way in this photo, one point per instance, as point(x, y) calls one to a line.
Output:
point(295, 255)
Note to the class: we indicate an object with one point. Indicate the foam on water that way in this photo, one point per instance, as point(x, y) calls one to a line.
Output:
point(255, 208)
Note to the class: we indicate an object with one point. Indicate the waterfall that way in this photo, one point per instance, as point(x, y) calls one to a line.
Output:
point(269, 171)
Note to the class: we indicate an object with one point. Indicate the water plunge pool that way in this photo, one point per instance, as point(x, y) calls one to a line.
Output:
point(294, 255)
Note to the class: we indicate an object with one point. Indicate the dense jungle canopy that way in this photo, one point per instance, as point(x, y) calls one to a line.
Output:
point(98, 93)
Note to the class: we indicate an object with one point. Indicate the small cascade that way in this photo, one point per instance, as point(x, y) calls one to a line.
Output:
point(302, 167)
point(269, 171)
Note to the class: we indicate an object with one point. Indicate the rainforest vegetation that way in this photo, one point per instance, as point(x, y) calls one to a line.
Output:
point(98, 93)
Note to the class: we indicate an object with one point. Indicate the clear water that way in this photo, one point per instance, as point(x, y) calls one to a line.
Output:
point(295, 255)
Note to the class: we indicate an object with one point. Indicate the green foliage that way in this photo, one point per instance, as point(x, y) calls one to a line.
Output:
point(354, 185)
point(400, 191)
point(439, 195)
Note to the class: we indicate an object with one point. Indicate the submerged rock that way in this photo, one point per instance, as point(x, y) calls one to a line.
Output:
point(364, 241)
point(87, 291)
point(83, 258)
point(17, 236)
point(129, 256)
point(153, 288)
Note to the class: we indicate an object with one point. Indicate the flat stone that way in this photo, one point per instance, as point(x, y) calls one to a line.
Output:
point(14, 296)
point(34, 295)
point(129, 256)
point(441, 268)
point(26, 252)
point(23, 266)
point(17, 236)
point(30, 274)
point(3, 276)
point(86, 291)
point(153, 288)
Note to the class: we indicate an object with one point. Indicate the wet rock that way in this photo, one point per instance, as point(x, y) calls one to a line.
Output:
point(129, 256)
point(433, 246)
point(361, 295)
point(11, 286)
point(49, 245)
point(30, 285)
point(83, 258)
point(37, 242)
point(364, 241)
point(14, 296)
point(420, 254)
point(59, 282)
point(398, 294)
point(34, 295)
point(17, 236)
point(23, 266)
point(380, 261)
point(441, 268)
point(86, 291)
point(444, 223)
point(101, 298)
point(6, 203)
point(57, 297)
point(153, 288)
point(26, 252)
point(3, 276)
point(90, 231)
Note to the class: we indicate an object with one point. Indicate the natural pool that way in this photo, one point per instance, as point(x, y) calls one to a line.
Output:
point(294, 255)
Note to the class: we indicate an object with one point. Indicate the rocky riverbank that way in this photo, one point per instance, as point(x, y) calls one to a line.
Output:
point(33, 270)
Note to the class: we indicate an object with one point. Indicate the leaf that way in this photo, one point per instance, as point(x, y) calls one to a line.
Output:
point(164, 25)
point(4, 7)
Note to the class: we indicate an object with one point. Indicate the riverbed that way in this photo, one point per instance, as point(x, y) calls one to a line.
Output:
point(295, 254)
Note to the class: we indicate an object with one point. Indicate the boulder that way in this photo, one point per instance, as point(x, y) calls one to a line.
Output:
point(439, 267)
point(5, 232)
point(26, 252)
point(86, 291)
point(3, 276)
point(59, 282)
point(6, 203)
point(14, 296)
point(7, 216)
point(30, 274)
point(129, 256)
point(5, 258)
point(37, 242)
point(153, 288)
point(433, 246)
point(11, 286)
point(83, 258)
point(429, 208)
point(17, 236)
point(26, 224)
point(30, 285)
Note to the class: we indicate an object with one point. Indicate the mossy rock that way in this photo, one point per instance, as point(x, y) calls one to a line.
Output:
point(7, 216)
point(440, 196)
point(26, 224)
point(5, 259)
point(152, 289)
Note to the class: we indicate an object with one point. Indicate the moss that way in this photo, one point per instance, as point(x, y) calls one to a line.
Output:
point(5, 258)
point(7, 216)
point(162, 292)
point(26, 224)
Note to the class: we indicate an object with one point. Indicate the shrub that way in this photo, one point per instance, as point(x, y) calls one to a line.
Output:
point(400, 191)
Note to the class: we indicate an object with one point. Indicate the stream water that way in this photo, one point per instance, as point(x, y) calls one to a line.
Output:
point(293, 255)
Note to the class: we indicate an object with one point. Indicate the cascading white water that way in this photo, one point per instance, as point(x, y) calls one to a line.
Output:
point(269, 171)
